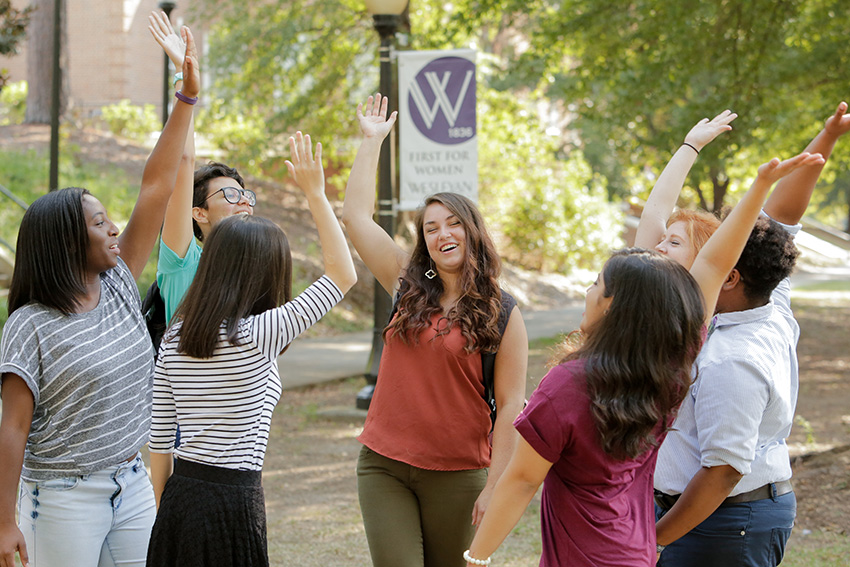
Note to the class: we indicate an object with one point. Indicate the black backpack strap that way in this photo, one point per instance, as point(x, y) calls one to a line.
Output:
point(153, 309)
point(488, 359)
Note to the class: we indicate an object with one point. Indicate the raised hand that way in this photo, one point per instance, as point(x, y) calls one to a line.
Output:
point(839, 123)
point(167, 38)
point(191, 70)
point(373, 117)
point(305, 168)
point(706, 130)
point(775, 170)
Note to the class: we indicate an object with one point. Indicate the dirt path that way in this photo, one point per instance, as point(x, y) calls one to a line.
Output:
point(311, 489)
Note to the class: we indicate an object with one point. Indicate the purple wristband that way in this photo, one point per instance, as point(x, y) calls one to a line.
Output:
point(186, 99)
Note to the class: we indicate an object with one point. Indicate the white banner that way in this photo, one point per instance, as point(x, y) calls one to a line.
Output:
point(438, 143)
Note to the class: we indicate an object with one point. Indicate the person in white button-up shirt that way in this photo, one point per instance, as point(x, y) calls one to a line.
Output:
point(722, 478)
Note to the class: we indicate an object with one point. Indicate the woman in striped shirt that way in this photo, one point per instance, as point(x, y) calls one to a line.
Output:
point(217, 378)
point(76, 364)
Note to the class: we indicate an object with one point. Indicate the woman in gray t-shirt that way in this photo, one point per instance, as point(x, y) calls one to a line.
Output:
point(77, 366)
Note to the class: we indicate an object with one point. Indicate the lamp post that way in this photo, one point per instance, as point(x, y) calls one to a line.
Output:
point(55, 95)
point(385, 16)
point(166, 7)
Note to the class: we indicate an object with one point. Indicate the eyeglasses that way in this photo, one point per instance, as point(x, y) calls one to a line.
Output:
point(233, 195)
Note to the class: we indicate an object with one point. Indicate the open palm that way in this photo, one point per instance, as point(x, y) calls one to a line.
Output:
point(774, 170)
point(167, 38)
point(373, 117)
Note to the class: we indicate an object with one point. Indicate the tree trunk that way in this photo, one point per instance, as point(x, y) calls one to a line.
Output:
point(721, 186)
point(40, 61)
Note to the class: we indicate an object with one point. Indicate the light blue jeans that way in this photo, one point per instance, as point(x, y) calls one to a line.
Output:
point(98, 520)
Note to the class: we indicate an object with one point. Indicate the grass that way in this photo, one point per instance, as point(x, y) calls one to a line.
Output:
point(829, 286)
point(817, 549)
point(26, 174)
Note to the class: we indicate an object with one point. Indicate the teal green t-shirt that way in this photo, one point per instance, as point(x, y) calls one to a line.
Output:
point(174, 274)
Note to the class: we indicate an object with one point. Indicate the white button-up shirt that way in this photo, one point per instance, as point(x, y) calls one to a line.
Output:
point(740, 408)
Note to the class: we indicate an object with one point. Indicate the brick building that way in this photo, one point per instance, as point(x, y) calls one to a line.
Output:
point(111, 54)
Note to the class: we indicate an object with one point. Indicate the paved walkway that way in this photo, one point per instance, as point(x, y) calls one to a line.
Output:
point(312, 361)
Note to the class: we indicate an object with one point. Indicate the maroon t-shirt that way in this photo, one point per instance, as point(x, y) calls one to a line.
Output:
point(596, 510)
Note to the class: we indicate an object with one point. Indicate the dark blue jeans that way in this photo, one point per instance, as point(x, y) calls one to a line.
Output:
point(752, 534)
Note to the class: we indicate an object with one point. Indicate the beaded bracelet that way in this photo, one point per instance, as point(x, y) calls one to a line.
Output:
point(474, 561)
point(186, 99)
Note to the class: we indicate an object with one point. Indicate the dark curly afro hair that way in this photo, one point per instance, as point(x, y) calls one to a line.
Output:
point(767, 259)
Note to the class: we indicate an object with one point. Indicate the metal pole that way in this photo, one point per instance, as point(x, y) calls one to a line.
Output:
point(166, 7)
point(386, 26)
point(55, 95)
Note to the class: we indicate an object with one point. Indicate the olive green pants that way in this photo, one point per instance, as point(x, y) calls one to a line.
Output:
point(416, 517)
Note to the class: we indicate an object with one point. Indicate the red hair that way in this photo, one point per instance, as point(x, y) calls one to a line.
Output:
point(699, 225)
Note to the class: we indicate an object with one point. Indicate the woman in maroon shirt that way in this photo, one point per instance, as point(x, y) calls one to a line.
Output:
point(592, 429)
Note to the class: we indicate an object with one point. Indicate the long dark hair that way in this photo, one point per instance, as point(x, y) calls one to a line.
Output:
point(477, 310)
point(246, 268)
point(50, 262)
point(638, 357)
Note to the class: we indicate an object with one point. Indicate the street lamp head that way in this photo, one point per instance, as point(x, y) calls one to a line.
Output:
point(389, 7)
point(167, 6)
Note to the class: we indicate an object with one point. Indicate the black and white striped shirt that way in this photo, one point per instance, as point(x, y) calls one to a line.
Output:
point(224, 404)
point(90, 377)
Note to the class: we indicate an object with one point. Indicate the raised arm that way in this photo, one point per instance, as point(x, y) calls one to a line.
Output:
point(720, 254)
point(788, 202)
point(306, 169)
point(665, 193)
point(384, 258)
point(160, 174)
point(177, 229)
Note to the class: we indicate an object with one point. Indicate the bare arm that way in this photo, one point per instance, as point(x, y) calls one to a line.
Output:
point(788, 202)
point(518, 485)
point(384, 258)
point(162, 465)
point(15, 425)
point(177, 231)
point(702, 496)
point(308, 173)
point(160, 174)
point(665, 193)
point(509, 383)
point(720, 254)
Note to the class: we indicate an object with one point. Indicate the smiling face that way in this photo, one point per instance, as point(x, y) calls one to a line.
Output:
point(676, 244)
point(102, 252)
point(216, 207)
point(595, 305)
point(445, 238)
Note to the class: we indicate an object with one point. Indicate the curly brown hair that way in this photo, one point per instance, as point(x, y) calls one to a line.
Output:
point(477, 311)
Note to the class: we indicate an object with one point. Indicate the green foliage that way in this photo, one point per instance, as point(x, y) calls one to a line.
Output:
point(13, 103)
point(241, 136)
point(282, 66)
point(552, 211)
point(26, 175)
point(13, 23)
point(131, 120)
point(636, 75)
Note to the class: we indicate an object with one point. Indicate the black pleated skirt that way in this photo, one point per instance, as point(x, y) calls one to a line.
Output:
point(210, 516)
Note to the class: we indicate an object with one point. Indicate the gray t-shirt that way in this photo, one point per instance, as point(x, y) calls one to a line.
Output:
point(91, 377)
